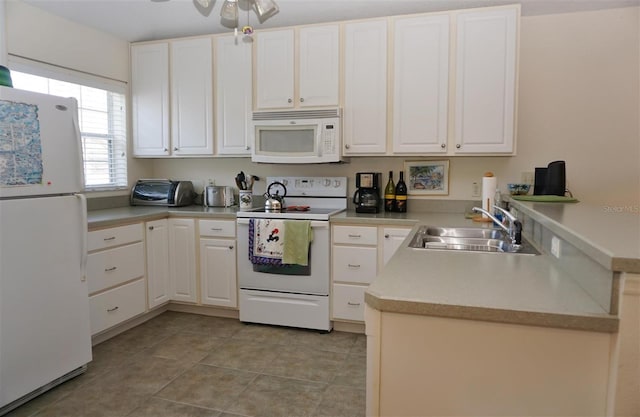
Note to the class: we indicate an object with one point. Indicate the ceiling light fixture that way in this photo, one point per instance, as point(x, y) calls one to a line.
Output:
point(263, 8)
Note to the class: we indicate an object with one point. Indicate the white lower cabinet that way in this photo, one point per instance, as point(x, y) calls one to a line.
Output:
point(182, 260)
point(115, 274)
point(218, 276)
point(358, 252)
point(354, 266)
point(116, 305)
point(158, 278)
point(390, 240)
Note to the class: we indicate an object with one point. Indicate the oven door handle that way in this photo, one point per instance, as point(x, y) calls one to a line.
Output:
point(314, 224)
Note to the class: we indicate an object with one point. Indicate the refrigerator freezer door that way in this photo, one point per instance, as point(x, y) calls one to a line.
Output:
point(40, 149)
point(44, 302)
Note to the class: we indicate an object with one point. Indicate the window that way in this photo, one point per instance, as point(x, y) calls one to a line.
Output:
point(102, 116)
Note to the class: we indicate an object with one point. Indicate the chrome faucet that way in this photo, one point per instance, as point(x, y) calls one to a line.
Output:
point(514, 230)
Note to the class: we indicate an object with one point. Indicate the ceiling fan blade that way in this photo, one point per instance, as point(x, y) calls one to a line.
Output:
point(265, 9)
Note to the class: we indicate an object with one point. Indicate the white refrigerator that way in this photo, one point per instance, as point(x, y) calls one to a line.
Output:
point(45, 336)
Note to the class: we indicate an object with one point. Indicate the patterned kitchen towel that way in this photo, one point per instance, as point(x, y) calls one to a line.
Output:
point(266, 241)
point(298, 235)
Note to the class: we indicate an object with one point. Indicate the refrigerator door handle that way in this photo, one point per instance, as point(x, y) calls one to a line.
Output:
point(84, 236)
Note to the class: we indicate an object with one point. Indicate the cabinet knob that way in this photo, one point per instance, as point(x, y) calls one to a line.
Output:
point(150, 227)
point(230, 246)
point(175, 148)
point(386, 236)
point(301, 100)
point(458, 146)
point(166, 150)
point(289, 101)
point(443, 146)
point(347, 146)
point(248, 148)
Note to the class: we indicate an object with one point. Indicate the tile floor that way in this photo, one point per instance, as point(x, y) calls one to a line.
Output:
point(184, 365)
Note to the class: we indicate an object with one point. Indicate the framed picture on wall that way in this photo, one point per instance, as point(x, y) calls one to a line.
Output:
point(427, 177)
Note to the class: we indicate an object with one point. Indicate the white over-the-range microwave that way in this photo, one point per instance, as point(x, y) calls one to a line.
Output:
point(297, 136)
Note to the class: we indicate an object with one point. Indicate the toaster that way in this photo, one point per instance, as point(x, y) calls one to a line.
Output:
point(218, 196)
point(161, 192)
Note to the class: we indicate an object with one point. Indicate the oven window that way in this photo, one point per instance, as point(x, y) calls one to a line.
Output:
point(287, 141)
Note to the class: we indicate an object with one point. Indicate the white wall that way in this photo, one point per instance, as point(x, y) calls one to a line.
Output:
point(3, 34)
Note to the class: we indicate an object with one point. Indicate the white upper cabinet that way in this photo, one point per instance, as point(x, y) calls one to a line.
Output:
point(172, 96)
point(191, 97)
point(365, 87)
point(486, 80)
point(150, 99)
point(308, 76)
point(319, 66)
point(274, 69)
point(420, 84)
point(233, 95)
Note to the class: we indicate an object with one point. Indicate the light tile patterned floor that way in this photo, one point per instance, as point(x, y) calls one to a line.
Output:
point(184, 365)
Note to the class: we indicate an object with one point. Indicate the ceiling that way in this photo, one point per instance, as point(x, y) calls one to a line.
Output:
point(140, 20)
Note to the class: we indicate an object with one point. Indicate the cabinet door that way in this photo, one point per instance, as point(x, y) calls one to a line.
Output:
point(365, 87)
point(319, 68)
point(421, 84)
point(233, 95)
point(485, 81)
point(218, 272)
point(182, 260)
point(392, 237)
point(158, 282)
point(150, 99)
point(274, 69)
point(191, 97)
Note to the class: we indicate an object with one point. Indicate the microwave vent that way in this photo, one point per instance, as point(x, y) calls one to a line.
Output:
point(297, 114)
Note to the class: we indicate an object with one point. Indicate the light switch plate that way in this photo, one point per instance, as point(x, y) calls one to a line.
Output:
point(555, 247)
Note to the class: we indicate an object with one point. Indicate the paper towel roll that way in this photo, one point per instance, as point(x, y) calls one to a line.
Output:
point(489, 185)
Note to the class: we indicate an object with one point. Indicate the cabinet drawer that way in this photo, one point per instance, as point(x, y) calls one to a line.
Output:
point(114, 236)
point(111, 267)
point(217, 228)
point(355, 234)
point(348, 301)
point(116, 305)
point(354, 264)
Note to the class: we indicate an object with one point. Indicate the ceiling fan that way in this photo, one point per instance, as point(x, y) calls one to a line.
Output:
point(229, 12)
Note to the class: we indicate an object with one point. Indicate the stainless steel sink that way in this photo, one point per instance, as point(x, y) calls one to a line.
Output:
point(468, 239)
point(465, 232)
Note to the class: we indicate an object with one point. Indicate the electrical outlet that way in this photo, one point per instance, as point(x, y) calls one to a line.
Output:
point(555, 247)
point(475, 189)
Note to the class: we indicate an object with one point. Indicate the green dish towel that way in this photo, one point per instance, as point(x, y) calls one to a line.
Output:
point(545, 198)
point(297, 237)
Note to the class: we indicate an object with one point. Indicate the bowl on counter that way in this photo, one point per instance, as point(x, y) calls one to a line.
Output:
point(518, 189)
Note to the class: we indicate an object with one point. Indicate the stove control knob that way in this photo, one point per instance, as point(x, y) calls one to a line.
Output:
point(327, 182)
point(336, 183)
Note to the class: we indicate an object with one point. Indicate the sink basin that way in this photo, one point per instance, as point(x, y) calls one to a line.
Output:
point(468, 239)
point(465, 232)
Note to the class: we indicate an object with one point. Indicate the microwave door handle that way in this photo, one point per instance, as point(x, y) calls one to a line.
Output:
point(319, 142)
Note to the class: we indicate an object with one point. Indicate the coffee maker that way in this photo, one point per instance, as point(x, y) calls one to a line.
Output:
point(367, 195)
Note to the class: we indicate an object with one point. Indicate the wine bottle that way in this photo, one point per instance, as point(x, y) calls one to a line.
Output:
point(401, 195)
point(390, 194)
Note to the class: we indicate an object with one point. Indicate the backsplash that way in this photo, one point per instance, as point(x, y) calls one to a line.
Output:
point(600, 283)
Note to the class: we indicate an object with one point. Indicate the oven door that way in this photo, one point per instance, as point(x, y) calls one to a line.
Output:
point(315, 281)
